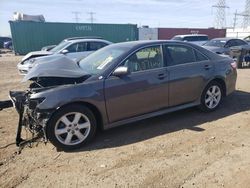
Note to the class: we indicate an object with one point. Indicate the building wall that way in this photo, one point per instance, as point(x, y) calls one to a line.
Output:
point(168, 33)
point(238, 33)
point(148, 33)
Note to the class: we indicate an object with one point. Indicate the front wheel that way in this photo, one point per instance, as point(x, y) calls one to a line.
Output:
point(71, 127)
point(211, 97)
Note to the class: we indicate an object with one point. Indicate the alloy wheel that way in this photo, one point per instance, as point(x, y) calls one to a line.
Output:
point(72, 128)
point(213, 97)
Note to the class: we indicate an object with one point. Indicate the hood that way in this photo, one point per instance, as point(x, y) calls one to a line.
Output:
point(35, 54)
point(55, 66)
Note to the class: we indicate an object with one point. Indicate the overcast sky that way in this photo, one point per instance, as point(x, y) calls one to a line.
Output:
point(155, 13)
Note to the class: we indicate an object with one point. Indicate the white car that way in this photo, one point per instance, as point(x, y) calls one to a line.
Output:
point(73, 48)
point(198, 39)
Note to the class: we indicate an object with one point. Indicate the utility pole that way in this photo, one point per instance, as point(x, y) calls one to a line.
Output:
point(235, 19)
point(91, 18)
point(76, 18)
point(246, 15)
point(220, 18)
point(246, 18)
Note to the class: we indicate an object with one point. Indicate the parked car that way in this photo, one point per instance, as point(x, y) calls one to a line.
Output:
point(73, 48)
point(223, 45)
point(48, 48)
point(8, 45)
point(198, 39)
point(119, 84)
point(241, 54)
point(4, 39)
point(247, 39)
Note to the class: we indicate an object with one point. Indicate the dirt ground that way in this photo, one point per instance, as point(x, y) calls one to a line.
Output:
point(182, 149)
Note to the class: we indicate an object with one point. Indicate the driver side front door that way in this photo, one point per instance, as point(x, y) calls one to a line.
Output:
point(142, 91)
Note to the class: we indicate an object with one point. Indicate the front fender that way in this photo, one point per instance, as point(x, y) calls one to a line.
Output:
point(54, 98)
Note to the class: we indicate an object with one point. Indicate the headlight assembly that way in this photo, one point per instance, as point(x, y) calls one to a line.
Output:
point(34, 102)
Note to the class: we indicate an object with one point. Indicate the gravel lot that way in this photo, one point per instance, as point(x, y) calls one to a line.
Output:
point(182, 149)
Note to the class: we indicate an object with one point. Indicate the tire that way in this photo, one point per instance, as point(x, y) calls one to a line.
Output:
point(71, 127)
point(211, 97)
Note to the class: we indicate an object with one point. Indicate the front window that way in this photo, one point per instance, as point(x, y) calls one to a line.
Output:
point(100, 60)
point(93, 46)
point(145, 59)
point(216, 43)
point(60, 46)
point(77, 47)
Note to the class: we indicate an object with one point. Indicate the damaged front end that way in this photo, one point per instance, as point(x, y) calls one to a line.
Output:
point(45, 78)
point(29, 117)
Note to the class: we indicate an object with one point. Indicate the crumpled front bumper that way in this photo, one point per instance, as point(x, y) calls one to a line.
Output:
point(29, 116)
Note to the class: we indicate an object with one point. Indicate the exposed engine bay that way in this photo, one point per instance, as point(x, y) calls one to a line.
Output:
point(30, 118)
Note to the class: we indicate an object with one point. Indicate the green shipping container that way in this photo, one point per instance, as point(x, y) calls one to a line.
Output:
point(30, 36)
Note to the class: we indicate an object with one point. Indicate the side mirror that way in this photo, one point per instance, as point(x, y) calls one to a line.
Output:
point(64, 51)
point(120, 71)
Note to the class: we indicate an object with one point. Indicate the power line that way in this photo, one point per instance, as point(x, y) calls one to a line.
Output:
point(220, 18)
point(91, 18)
point(76, 18)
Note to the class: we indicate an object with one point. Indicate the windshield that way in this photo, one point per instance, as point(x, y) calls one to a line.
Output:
point(216, 43)
point(60, 46)
point(98, 61)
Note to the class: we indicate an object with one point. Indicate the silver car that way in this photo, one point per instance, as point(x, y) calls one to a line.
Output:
point(73, 48)
point(198, 39)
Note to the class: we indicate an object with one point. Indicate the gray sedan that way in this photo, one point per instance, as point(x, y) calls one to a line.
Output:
point(223, 45)
point(119, 84)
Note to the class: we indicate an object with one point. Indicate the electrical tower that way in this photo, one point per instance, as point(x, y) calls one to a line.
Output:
point(91, 18)
point(220, 18)
point(246, 15)
point(76, 13)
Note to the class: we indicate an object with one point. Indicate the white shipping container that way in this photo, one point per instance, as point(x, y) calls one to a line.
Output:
point(148, 33)
point(25, 17)
point(240, 33)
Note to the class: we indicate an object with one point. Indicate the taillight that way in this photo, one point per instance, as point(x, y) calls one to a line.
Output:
point(234, 65)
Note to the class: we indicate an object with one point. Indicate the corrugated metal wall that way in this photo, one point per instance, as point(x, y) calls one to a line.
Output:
point(148, 33)
point(168, 33)
point(30, 36)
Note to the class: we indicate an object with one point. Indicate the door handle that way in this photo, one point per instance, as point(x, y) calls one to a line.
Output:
point(161, 76)
point(207, 67)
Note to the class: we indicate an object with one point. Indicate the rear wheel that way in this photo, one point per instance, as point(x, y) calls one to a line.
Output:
point(211, 97)
point(71, 127)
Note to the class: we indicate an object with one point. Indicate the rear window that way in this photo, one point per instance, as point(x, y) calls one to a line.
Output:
point(200, 56)
point(195, 38)
point(178, 54)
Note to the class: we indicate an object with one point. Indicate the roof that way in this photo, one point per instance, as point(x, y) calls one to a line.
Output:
point(86, 37)
point(191, 35)
point(88, 40)
point(136, 44)
point(224, 38)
